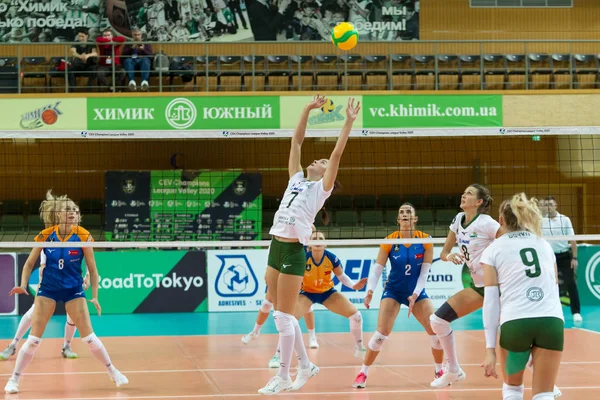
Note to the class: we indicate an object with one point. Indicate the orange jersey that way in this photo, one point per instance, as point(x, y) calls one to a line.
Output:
point(318, 276)
point(398, 235)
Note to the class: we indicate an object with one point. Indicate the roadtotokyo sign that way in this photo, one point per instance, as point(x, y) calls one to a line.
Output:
point(236, 278)
point(165, 113)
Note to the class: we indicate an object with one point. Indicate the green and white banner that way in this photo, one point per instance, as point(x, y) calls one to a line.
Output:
point(262, 116)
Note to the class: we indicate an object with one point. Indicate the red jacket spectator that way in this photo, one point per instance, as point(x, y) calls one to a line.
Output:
point(105, 44)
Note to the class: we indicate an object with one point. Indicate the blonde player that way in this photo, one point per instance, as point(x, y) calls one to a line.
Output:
point(25, 323)
point(62, 281)
point(472, 230)
point(522, 266)
point(410, 265)
point(302, 200)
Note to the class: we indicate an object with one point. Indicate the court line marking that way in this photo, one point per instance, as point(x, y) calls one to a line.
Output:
point(177, 371)
point(587, 330)
point(315, 394)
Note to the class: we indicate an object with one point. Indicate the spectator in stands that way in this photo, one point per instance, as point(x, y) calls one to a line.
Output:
point(266, 17)
point(109, 57)
point(555, 224)
point(234, 6)
point(136, 56)
point(179, 32)
point(360, 11)
point(84, 58)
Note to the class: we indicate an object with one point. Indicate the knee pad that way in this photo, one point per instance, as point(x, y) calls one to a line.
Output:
point(70, 320)
point(311, 309)
point(284, 323)
point(510, 392)
point(440, 326)
point(356, 320)
point(447, 313)
point(92, 341)
point(266, 306)
point(435, 342)
point(31, 345)
point(377, 341)
point(544, 396)
point(29, 313)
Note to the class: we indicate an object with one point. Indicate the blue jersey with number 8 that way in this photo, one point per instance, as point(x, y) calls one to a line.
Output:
point(63, 265)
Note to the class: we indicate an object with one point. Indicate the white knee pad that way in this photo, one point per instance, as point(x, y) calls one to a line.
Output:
point(266, 306)
point(435, 342)
point(356, 320)
point(311, 309)
point(284, 323)
point(544, 396)
point(440, 326)
point(70, 320)
point(510, 392)
point(92, 341)
point(377, 341)
point(31, 345)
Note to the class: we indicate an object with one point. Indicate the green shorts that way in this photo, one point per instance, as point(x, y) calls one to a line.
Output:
point(287, 258)
point(520, 335)
point(479, 290)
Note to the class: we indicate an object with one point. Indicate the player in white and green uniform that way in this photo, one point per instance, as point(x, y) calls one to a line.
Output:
point(522, 266)
point(303, 199)
point(472, 230)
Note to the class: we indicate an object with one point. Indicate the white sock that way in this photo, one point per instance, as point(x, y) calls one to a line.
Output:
point(438, 367)
point(311, 333)
point(285, 326)
point(26, 355)
point(303, 360)
point(356, 325)
point(98, 351)
point(69, 333)
point(450, 351)
point(256, 330)
point(365, 369)
point(24, 325)
point(544, 396)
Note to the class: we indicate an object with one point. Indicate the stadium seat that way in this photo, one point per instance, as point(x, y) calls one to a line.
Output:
point(340, 202)
point(327, 70)
point(182, 73)
point(92, 221)
point(448, 72)
point(302, 72)
point(56, 78)
point(417, 201)
point(13, 206)
point(36, 69)
point(346, 218)
point(391, 217)
point(424, 72)
point(516, 71)
point(351, 67)
point(445, 217)
point(561, 71)
point(371, 217)
point(439, 201)
point(389, 201)
point(494, 71)
point(470, 72)
point(364, 202)
point(278, 73)
point(9, 75)
point(35, 224)
point(403, 72)
point(91, 206)
point(425, 217)
point(586, 71)
point(255, 76)
point(12, 223)
point(539, 71)
point(207, 77)
point(376, 73)
point(159, 74)
point(230, 73)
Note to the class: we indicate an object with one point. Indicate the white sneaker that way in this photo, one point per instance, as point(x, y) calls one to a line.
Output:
point(360, 351)
point(449, 378)
point(276, 385)
point(9, 351)
point(118, 378)
point(145, 85)
point(275, 362)
point(556, 392)
point(249, 337)
point(304, 374)
point(577, 318)
point(312, 343)
point(12, 386)
point(67, 352)
point(132, 85)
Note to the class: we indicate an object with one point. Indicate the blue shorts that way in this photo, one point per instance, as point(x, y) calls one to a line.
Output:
point(318, 297)
point(63, 295)
point(402, 297)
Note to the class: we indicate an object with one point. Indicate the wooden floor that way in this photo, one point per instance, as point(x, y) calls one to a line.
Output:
point(221, 367)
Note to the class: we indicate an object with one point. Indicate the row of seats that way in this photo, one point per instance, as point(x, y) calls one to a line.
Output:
point(26, 207)
point(353, 72)
point(26, 223)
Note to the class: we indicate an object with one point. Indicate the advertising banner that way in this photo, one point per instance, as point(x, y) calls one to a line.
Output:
point(43, 114)
point(236, 278)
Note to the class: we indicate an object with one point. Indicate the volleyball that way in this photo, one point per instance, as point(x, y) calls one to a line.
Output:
point(344, 36)
point(328, 107)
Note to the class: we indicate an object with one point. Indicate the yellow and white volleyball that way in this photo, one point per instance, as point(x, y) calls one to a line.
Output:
point(344, 36)
point(328, 107)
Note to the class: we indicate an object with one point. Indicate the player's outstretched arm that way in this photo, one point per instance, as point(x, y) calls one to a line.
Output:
point(352, 111)
point(294, 165)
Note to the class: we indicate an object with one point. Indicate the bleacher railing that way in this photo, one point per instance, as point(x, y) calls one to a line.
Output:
point(291, 66)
